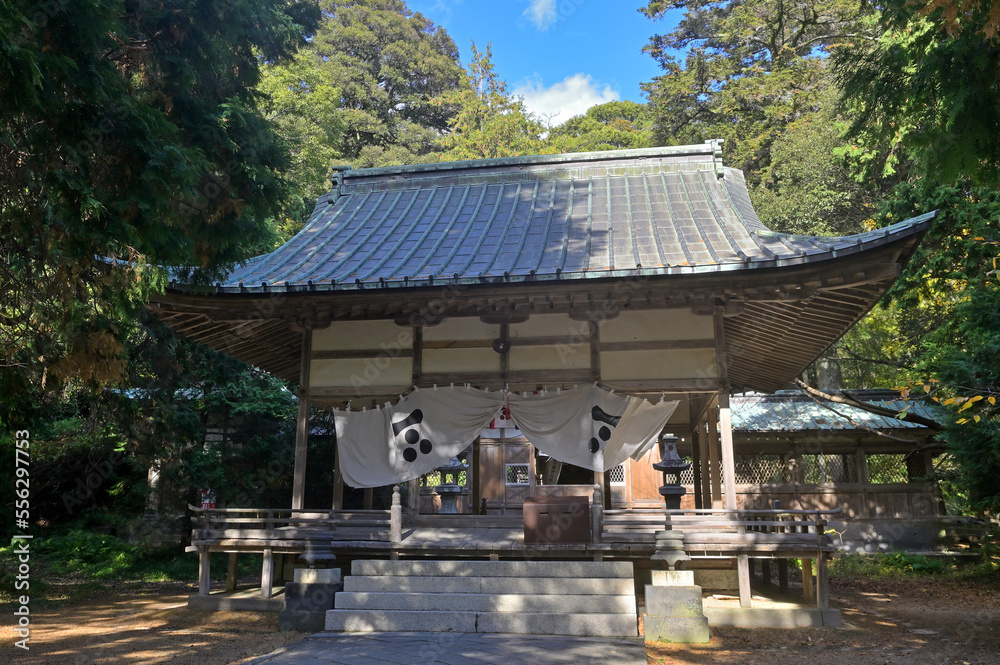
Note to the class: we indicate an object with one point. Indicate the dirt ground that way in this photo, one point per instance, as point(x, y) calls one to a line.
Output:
point(923, 622)
point(915, 621)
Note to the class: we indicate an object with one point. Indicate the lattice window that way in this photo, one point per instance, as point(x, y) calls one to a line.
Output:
point(821, 469)
point(687, 476)
point(758, 469)
point(518, 474)
point(432, 479)
point(616, 476)
point(886, 468)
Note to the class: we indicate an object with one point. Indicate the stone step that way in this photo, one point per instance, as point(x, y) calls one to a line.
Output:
point(514, 569)
point(528, 623)
point(508, 585)
point(484, 602)
point(539, 623)
point(363, 621)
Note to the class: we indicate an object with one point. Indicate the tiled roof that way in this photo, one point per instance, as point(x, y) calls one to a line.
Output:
point(793, 411)
point(656, 211)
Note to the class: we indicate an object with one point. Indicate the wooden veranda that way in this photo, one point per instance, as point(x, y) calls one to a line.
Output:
point(615, 535)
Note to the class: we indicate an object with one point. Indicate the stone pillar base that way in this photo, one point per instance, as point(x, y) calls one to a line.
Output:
point(674, 614)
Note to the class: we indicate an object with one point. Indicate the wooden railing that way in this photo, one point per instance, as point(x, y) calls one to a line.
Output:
point(287, 526)
point(766, 530)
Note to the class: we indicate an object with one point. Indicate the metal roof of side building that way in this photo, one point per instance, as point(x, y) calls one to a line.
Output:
point(793, 411)
point(655, 211)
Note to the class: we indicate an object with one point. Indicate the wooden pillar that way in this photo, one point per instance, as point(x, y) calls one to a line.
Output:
point(396, 517)
point(808, 592)
point(338, 481)
point(413, 497)
point(231, 572)
point(743, 575)
point(267, 574)
point(369, 497)
point(302, 424)
point(474, 471)
point(715, 465)
point(204, 571)
point(606, 480)
point(783, 575)
point(822, 582)
point(861, 463)
point(706, 472)
point(728, 457)
point(699, 500)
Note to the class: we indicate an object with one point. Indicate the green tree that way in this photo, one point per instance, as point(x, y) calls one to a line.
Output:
point(301, 101)
point(749, 69)
point(952, 289)
point(924, 91)
point(610, 126)
point(756, 74)
point(489, 122)
point(132, 138)
point(387, 66)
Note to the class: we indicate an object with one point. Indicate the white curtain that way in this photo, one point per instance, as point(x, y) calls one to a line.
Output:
point(403, 441)
point(588, 427)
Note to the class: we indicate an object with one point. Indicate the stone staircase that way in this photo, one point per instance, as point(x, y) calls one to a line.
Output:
point(517, 597)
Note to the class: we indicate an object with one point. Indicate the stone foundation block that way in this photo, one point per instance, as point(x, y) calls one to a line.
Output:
point(673, 578)
point(301, 597)
point(674, 601)
point(686, 630)
point(317, 575)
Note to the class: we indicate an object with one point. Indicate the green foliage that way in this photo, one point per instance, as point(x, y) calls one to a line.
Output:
point(610, 126)
point(755, 74)
point(887, 565)
point(92, 559)
point(489, 122)
point(131, 139)
point(925, 93)
point(750, 69)
point(386, 67)
point(949, 303)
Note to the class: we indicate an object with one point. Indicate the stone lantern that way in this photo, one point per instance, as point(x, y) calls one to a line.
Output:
point(449, 489)
point(670, 543)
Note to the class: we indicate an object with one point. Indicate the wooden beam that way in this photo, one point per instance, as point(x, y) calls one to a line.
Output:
point(361, 353)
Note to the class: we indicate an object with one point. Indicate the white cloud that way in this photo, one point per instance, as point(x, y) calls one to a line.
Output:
point(542, 13)
point(565, 99)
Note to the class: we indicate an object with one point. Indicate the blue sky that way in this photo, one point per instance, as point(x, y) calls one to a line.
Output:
point(561, 56)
